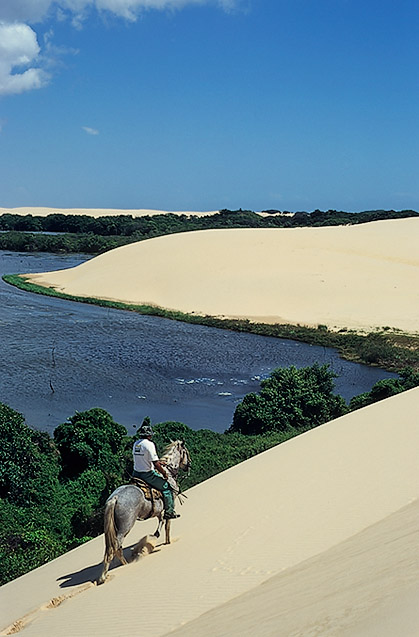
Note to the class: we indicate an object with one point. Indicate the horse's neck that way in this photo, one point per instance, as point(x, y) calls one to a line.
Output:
point(170, 458)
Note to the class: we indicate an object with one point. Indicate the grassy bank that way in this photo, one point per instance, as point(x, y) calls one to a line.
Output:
point(386, 347)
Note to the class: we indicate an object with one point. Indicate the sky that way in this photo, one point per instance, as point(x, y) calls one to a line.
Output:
point(208, 104)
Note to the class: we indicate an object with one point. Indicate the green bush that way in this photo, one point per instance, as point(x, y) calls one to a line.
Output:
point(91, 440)
point(47, 508)
point(407, 379)
point(290, 398)
point(29, 466)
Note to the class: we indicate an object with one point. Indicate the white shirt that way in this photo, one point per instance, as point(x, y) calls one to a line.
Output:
point(144, 453)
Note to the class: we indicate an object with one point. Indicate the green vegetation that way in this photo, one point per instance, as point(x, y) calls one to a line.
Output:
point(65, 243)
point(46, 505)
point(408, 379)
point(52, 490)
point(290, 399)
point(94, 235)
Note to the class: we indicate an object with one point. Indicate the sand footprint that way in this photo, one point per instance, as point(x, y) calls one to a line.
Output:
point(21, 623)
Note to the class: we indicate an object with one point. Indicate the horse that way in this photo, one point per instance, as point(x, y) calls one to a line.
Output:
point(128, 504)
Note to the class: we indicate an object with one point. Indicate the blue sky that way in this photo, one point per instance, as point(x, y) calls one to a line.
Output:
point(206, 104)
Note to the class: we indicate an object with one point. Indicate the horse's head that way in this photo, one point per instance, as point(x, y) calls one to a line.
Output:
point(185, 458)
point(177, 456)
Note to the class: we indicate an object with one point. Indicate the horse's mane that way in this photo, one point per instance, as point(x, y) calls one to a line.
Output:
point(168, 450)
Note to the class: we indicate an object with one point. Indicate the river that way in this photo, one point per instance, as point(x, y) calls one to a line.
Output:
point(59, 356)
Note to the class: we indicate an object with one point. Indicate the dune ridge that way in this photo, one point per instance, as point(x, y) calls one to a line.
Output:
point(359, 277)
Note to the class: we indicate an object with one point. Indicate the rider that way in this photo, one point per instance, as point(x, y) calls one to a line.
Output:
point(146, 461)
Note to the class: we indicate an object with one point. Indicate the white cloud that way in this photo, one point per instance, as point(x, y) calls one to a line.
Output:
point(18, 49)
point(24, 10)
point(36, 10)
point(90, 131)
point(18, 42)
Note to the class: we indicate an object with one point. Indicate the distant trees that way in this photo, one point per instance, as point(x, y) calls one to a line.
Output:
point(94, 235)
point(66, 243)
point(290, 399)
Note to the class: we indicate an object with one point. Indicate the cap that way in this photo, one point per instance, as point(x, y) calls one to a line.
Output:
point(145, 430)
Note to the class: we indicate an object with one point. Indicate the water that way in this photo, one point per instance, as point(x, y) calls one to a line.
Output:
point(59, 356)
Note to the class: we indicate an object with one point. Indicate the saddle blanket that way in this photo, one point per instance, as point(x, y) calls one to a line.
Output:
point(150, 493)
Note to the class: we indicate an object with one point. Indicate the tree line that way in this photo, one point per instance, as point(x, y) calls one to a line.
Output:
point(53, 489)
point(94, 235)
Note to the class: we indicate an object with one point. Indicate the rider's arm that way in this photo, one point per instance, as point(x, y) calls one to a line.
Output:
point(157, 465)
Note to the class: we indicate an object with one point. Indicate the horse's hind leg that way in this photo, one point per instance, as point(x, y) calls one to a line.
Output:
point(120, 556)
point(102, 577)
point(118, 548)
point(159, 526)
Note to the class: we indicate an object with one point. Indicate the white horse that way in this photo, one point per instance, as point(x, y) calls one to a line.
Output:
point(128, 503)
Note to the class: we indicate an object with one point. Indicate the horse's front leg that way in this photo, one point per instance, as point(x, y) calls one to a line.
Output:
point(167, 531)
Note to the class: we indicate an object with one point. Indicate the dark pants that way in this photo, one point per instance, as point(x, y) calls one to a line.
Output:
point(157, 481)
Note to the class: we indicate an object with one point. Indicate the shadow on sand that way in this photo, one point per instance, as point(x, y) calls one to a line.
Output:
point(91, 573)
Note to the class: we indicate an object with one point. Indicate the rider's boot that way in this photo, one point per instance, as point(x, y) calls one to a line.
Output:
point(171, 516)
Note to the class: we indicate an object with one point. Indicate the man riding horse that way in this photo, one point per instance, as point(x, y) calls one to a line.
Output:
point(147, 467)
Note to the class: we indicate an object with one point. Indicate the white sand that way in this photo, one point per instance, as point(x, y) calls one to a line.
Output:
point(359, 277)
point(314, 537)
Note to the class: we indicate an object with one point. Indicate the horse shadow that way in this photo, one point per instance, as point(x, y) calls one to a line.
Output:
point(91, 573)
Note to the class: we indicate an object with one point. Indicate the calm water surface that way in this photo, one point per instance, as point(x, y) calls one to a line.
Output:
point(60, 356)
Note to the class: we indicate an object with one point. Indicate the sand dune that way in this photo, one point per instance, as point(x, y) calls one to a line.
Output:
point(359, 277)
point(366, 585)
point(314, 537)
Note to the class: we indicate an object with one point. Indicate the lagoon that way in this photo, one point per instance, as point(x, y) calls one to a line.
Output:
point(60, 356)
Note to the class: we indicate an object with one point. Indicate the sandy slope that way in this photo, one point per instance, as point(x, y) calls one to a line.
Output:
point(299, 540)
point(366, 585)
point(359, 277)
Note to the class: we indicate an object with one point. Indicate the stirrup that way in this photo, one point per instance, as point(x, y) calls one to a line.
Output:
point(171, 516)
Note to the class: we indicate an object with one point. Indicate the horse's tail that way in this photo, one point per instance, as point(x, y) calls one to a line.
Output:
point(111, 541)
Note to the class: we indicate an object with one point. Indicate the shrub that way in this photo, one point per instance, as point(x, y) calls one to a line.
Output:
point(290, 398)
point(407, 379)
point(91, 440)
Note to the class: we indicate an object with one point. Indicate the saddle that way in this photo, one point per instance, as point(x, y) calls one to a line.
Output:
point(150, 493)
